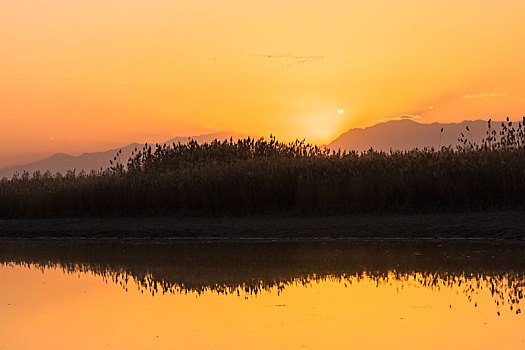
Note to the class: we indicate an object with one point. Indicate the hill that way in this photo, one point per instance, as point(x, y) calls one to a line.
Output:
point(61, 162)
point(407, 134)
point(402, 134)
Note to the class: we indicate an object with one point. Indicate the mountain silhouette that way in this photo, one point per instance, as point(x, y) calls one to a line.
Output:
point(61, 162)
point(402, 134)
point(407, 134)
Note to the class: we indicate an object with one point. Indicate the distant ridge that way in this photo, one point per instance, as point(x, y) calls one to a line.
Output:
point(402, 134)
point(61, 162)
point(407, 134)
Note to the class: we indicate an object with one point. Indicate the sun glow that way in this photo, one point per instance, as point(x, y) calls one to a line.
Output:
point(98, 74)
point(322, 127)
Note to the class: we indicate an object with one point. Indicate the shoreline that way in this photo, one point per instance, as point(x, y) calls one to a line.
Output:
point(508, 226)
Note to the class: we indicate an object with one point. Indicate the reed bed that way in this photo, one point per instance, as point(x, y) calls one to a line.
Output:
point(248, 177)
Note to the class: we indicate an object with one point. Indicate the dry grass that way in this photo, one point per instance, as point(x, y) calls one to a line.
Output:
point(267, 177)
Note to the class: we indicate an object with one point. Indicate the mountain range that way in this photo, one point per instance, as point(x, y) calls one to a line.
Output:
point(61, 162)
point(407, 134)
point(396, 135)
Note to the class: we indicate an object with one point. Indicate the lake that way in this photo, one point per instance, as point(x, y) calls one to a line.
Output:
point(359, 294)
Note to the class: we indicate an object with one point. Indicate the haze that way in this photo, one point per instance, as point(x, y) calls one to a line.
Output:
point(79, 76)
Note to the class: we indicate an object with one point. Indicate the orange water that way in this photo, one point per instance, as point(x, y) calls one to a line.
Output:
point(48, 308)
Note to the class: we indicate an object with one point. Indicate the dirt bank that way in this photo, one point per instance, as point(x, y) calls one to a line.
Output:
point(491, 225)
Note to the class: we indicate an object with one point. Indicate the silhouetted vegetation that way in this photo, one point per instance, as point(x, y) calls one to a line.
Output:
point(268, 177)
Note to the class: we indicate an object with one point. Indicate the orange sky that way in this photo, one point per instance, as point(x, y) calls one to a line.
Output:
point(89, 75)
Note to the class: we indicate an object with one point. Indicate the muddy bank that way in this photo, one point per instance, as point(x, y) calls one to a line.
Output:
point(492, 225)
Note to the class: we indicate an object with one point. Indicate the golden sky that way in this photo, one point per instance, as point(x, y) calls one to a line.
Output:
point(78, 75)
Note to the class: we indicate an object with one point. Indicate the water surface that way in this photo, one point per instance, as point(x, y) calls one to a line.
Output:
point(290, 295)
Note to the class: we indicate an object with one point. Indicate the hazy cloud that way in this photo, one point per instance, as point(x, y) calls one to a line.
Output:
point(400, 117)
point(288, 60)
point(484, 94)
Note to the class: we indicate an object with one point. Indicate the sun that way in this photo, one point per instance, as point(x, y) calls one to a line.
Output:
point(323, 126)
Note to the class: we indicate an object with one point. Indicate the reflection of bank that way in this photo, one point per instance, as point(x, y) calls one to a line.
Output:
point(251, 268)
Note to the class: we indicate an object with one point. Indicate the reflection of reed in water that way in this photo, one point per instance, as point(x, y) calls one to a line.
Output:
point(247, 269)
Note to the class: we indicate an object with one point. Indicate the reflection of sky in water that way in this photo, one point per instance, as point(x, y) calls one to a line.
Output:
point(506, 290)
point(111, 301)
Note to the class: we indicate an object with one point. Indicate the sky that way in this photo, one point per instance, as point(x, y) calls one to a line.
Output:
point(78, 75)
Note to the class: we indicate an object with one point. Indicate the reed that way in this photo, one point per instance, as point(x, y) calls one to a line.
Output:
point(248, 177)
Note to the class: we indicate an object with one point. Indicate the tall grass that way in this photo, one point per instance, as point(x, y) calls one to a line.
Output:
point(270, 177)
